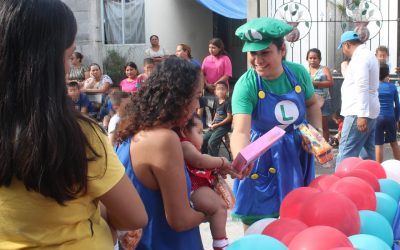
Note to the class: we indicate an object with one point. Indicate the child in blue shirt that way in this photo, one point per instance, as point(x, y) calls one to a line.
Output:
point(389, 115)
point(80, 100)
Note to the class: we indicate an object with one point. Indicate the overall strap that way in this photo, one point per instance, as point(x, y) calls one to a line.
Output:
point(292, 78)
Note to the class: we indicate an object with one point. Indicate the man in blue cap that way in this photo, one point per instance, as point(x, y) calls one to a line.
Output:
point(360, 101)
point(273, 92)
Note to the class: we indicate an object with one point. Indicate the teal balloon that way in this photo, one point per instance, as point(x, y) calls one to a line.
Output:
point(257, 242)
point(386, 206)
point(390, 187)
point(373, 223)
point(368, 242)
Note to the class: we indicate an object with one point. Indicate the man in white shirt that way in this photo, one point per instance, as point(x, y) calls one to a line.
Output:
point(360, 101)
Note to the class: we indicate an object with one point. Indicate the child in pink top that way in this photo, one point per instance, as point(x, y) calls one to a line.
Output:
point(130, 84)
point(217, 66)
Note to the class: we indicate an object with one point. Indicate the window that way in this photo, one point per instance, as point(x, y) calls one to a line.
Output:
point(123, 21)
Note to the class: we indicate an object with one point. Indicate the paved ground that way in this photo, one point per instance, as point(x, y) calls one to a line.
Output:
point(235, 229)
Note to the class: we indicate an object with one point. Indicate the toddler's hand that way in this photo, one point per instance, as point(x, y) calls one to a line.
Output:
point(227, 168)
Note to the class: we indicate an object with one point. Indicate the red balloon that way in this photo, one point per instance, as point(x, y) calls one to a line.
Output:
point(292, 203)
point(319, 238)
point(358, 191)
point(372, 166)
point(284, 229)
point(366, 176)
point(348, 164)
point(331, 209)
point(323, 182)
point(341, 174)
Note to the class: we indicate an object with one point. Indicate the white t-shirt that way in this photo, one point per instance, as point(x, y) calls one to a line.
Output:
point(90, 83)
point(112, 125)
point(160, 53)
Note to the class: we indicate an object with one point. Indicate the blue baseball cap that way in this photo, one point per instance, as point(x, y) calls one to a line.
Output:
point(348, 36)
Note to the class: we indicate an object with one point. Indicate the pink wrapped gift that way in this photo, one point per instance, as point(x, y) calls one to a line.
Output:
point(257, 148)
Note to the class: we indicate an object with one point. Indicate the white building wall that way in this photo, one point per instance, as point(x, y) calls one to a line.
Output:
point(174, 21)
point(179, 21)
point(88, 39)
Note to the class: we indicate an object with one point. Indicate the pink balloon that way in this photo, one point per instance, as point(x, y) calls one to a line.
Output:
point(348, 164)
point(372, 166)
point(366, 176)
point(331, 209)
point(293, 202)
point(284, 229)
point(323, 182)
point(358, 191)
point(319, 238)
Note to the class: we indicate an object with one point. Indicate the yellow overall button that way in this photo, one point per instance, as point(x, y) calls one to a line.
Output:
point(261, 94)
point(297, 89)
point(272, 170)
point(254, 176)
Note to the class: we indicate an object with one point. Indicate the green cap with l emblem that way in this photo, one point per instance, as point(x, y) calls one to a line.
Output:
point(259, 32)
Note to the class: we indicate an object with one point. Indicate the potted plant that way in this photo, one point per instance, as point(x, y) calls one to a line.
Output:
point(114, 66)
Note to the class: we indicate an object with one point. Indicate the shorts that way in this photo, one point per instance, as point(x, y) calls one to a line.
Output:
point(385, 131)
point(326, 109)
point(249, 220)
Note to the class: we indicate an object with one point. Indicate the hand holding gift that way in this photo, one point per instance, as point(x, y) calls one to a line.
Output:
point(319, 147)
point(254, 150)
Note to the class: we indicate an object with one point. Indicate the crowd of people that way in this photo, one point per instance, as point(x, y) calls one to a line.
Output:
point(89, 163)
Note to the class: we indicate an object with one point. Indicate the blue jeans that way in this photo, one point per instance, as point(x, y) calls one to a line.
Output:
point(353, 142)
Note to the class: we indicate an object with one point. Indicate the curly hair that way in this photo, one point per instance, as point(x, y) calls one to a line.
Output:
point(162, 99)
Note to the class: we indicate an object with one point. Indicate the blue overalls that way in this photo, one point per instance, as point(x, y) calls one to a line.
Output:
point(286, 165)
point(157, 234)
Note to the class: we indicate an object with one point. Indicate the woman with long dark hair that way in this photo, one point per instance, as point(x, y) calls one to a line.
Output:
point(57, 167)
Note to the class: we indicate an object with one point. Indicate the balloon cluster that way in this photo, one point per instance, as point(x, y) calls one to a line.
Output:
point(354, 208)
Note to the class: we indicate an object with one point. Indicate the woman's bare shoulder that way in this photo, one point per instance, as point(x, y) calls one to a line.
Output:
point(158, 138)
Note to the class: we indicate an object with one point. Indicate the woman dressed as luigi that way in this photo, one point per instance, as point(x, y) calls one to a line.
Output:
point(273, 92)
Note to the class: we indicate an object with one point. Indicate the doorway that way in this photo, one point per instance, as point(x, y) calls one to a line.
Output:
point(225, 28)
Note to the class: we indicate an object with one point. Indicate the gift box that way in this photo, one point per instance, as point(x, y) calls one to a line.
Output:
point(255, 149)
point(319, 147)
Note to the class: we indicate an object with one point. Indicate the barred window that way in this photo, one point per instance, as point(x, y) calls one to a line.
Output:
point(123, 21)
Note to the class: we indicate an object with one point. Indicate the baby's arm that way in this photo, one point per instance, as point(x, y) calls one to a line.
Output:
point(202, 161)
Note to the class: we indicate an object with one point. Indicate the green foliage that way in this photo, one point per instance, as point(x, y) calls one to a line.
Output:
point(114, 66)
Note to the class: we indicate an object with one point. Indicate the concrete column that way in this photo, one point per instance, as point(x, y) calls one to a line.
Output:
point(252, 8)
